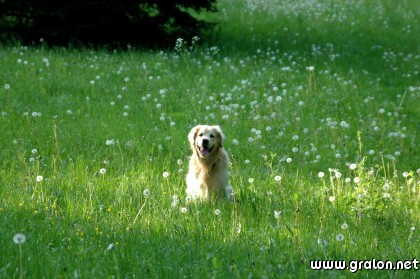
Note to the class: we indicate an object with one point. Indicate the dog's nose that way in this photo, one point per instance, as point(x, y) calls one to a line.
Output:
point(205, 141)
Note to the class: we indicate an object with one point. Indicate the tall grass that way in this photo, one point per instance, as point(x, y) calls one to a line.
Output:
point(319, 101)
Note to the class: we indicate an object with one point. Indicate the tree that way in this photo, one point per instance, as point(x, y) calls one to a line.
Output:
point(115, 22)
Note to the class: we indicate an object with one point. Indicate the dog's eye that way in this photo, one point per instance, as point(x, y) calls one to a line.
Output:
point(212, 136)
point(200, 135)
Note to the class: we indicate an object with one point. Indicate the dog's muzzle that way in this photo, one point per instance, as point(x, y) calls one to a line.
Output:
point(204, 149)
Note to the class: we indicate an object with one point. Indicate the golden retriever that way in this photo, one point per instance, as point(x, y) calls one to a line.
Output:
point(208, 175)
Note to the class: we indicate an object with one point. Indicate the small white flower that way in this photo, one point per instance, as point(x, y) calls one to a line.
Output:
point(239, 228)
point(321, 174)
point(102, 171)
point(251, 180)
point(344, 226)
point(277, 214)
point(39, 178)
point(165, 174)
point(146, 192)
point(344, 124)
point(277, 178)
point(353, 166)
point(179, 162)
point(356, 180)
point(289, 160)
point(217, 212)
point(184, 210)
point(110, 247)
point(331, 198)
point(19, 238)
point(110, 142)
point(339, 237)
point(386, 195)
point(34, 151)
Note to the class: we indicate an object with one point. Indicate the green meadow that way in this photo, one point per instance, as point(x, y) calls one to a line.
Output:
point(320, 105)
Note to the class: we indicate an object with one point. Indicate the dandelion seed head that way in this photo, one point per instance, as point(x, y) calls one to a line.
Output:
point(110, 247)
point(217, 212)
point(19, 238)
point(277, 214)
point(146, 192)
point(102, 171)
point(344, 226)
point(339, 237)
point(239, 228)
point(321, 174)
point(39, 178)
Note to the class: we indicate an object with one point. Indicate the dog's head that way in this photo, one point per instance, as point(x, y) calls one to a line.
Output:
point(205, 140)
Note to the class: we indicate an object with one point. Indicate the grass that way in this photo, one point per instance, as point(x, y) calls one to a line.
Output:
point(319, 102)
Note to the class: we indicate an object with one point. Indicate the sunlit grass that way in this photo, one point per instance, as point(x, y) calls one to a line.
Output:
point(319, 105)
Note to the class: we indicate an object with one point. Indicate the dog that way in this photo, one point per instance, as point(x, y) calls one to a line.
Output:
point(208, 175)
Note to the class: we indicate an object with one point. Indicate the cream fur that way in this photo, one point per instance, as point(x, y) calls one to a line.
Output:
point(208, 174)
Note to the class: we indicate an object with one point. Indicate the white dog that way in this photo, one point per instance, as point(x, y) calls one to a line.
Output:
point(208, 174)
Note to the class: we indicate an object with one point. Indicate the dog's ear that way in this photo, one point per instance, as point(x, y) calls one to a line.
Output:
point(220, 135)
point(192, 134)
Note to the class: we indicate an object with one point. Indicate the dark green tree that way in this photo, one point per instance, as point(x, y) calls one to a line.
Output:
point(103, 22)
